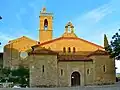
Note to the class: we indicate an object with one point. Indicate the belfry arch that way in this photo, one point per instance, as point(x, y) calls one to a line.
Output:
point(69, 27)
point(45, 24)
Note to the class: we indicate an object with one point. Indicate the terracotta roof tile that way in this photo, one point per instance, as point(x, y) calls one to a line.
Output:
point(43, 51)
point(73, 58)
point(98, 52)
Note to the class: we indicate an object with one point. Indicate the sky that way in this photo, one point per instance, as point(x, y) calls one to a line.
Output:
point(91, 19)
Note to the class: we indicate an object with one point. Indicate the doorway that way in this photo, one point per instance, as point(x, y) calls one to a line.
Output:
point(75, 79)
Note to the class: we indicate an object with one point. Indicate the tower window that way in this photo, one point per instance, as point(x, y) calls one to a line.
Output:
point(74, 50)
point(43, 68)
point(45, 24)
point(69, 50)
point(64, 49)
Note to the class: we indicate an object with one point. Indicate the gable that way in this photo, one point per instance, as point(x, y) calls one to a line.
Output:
point(21, 44)
point(80, 44)
point(21, 38)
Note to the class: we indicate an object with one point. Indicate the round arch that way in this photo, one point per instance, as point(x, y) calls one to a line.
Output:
point(75, 79)
point(45, 24)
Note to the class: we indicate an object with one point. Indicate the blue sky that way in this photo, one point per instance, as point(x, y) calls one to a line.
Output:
point(91, 18)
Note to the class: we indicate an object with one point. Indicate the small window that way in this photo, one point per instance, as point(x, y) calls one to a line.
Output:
point(88, 71)
point(74, 50)
point(69, 50)
point(43, 68)
point(61, 72)
point(104, 68)
point(64, 49)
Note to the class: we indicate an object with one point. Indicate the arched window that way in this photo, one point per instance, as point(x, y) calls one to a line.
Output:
point(74, 50)
point(69, 50)
point(45, 24)
point(64, 49)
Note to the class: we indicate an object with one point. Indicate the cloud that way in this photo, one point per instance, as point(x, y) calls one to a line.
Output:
point(99, 13)
point(5, 37)
point(95, 15)
point(90, 25)
point(22, 11)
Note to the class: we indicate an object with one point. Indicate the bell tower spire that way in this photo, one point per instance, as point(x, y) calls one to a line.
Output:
point(46, 30)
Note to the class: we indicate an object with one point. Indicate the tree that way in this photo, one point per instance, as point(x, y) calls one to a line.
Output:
point(22, 75)
point(17, 76)
point(114, 47)
point(5, 74)
point(105, 41)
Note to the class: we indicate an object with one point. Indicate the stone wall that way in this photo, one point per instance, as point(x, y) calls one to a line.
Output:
point(40, 77)
point(70, 67)
point(104, 68)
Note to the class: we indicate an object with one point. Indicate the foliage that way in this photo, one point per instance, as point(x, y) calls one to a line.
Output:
point(6, 72)
point(105, 41)
point(17, 76)
point(114, 47)
point(22, 74)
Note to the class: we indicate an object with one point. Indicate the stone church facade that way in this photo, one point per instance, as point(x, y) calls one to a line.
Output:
point(64, 61)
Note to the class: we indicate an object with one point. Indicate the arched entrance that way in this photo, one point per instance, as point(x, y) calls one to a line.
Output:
point(75, 79)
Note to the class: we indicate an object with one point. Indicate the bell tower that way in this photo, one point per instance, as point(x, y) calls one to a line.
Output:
point(46, 29)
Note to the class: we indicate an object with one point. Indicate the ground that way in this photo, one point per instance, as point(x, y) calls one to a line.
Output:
point(105, 87)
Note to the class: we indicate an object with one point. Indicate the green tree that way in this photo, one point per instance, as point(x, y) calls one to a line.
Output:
point(114, 47)
point(17, 76)
point(21, 75)
point(105, 41)
point(6, 72)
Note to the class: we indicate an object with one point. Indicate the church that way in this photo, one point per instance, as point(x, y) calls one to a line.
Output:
point(64, 61)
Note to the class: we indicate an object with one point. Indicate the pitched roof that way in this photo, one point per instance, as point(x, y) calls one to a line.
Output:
point(98, 52)
point(43, 51)
point(12, 41)
point(67, 38)
point(73, 58)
